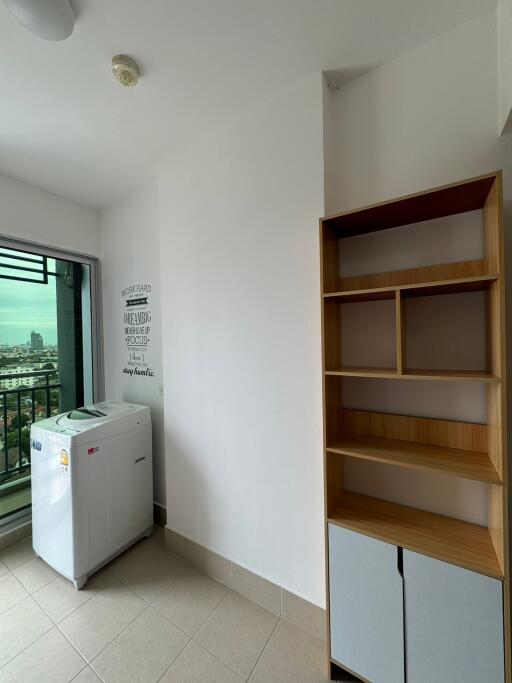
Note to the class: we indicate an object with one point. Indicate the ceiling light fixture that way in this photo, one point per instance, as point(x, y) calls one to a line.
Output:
point(48, 19)
point(125, 70)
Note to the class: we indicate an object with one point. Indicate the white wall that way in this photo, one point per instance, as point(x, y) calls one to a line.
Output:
point(35, 215)
point(427, 118)
point(131, 255)
point(505, 63)
point(241, 327)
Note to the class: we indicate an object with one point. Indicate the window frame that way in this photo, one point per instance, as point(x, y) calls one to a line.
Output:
point(98, 377)
point(23, 516)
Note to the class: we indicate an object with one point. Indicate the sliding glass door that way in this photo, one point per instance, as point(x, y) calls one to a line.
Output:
point(48, 365)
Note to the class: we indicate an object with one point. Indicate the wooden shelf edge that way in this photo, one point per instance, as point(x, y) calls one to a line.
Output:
point(450, 375)
point(431, 375)
point(428, 192)
point(363, 372)
point(447, 461)
point(450, 540)
point(455, 285)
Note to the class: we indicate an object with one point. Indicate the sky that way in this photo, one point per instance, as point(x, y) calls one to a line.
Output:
point(27, 306)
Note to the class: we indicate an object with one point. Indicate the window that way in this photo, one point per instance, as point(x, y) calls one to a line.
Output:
point(48, 363)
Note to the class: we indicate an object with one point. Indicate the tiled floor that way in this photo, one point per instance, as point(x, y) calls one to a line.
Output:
point(148, 616)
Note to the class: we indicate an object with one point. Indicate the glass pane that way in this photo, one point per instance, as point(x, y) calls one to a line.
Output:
point(45, 357)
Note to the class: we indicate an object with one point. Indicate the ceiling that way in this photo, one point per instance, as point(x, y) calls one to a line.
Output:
point(68, 127)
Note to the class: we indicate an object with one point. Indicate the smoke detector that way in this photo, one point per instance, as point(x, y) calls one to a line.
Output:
point(125, 70)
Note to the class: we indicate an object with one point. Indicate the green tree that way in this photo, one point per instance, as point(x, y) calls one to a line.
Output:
point(19, 419)
point(13, 443)
point(12, 402)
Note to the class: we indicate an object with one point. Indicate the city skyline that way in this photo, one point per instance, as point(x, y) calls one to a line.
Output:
point(27, 307)
point(26, 345)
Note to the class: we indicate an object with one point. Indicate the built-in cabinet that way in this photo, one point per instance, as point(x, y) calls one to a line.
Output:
point(453, 623)
point(366, 606)
point(415, 457)
point(400, 616)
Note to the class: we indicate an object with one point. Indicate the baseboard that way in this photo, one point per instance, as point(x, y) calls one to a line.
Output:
point(276, 599)
point(159, 514)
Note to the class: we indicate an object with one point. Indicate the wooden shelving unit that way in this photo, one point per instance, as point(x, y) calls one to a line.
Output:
point(461, 450)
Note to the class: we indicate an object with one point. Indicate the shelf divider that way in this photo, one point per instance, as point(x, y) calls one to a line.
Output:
point(400, 333)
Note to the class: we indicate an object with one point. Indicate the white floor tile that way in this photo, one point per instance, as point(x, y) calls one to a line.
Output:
point(20, 626)
point(96, 623)
point(196, 665)
point(50, 659)
point(11, 591)
point(142, 652)
point(59, 598)
point(291, 656)
point(237, 632)
point(34, 574)
point(87, 675)
point(190, 600)
point(147, 568)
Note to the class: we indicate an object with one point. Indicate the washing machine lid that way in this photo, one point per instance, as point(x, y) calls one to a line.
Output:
point(87, 417)
point(84, 414)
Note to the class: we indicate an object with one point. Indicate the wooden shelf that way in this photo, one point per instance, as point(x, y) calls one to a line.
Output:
point(436, 203)
point(453, 461)
point(360, 295)
point(452, 286)
point(451, 375)
point(451, 540)
point(432, 375)
point(387, 373)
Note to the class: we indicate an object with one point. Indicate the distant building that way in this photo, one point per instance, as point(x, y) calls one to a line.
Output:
point(18, 380)
point(36, 341)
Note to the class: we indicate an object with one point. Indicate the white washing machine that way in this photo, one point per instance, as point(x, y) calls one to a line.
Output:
point(92, 486)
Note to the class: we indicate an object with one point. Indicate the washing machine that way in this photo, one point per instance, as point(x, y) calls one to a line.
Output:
point(92, 486)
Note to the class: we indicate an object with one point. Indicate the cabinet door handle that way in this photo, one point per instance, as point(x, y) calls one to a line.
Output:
point(400, 561)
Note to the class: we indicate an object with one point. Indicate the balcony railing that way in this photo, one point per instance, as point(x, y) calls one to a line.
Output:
point(13, 412)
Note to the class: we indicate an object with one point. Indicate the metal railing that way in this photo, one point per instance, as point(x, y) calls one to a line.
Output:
point(10, 469)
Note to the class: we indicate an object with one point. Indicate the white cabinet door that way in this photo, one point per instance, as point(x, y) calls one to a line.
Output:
point(366, 600)
point(453, 623)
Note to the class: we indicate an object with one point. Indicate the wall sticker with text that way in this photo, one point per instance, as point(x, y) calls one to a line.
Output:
point(137, 330)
